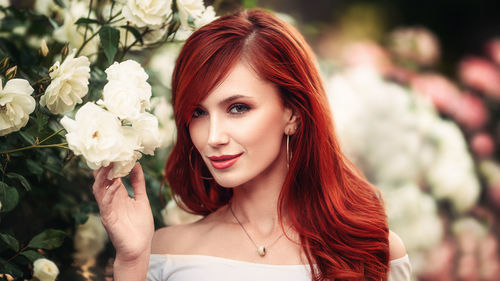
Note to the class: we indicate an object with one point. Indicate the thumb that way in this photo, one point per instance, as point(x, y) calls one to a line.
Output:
point(137, 181)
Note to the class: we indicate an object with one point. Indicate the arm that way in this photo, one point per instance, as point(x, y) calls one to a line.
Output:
point(128, 221)
point(396, 247)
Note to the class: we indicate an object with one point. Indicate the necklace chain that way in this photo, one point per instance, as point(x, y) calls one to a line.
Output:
point(262, 250)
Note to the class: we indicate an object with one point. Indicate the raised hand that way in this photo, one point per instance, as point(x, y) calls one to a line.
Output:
point(128, 221)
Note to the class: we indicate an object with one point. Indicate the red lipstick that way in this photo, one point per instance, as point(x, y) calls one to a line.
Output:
point(224, 161)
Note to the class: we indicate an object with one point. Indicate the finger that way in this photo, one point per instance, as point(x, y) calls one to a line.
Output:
point(137, 181)
point(110, 193)
point(100, 183)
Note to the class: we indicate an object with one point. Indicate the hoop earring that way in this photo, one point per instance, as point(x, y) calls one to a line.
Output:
point(288, 152)
point(191, 165)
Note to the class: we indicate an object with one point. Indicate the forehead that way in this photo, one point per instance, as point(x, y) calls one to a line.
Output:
point(242, 80)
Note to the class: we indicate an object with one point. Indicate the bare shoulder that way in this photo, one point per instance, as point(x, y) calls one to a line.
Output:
point(396, 246)
point(172, 239)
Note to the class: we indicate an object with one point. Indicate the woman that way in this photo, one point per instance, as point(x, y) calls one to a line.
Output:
point(257, 156)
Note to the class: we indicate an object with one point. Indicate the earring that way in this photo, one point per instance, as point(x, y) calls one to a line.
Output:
point(191, 165)
point(288, 152)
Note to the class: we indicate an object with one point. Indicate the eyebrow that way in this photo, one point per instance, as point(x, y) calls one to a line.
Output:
point(232, 98)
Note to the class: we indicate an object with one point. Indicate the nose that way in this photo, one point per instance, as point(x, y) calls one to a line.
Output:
point(217, 135)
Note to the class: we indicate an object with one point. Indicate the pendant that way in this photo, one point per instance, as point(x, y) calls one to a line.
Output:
point(262, 251)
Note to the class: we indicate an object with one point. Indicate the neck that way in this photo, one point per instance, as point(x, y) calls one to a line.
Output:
point(255, 203)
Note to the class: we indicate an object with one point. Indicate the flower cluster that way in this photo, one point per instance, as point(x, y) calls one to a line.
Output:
point(406, 149)
point(122, 129)
point(16, 104)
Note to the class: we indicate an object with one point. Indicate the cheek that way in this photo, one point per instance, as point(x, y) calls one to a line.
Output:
point(264, 132)
point(198, 133)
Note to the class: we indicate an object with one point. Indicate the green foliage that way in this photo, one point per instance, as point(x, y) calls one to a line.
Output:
point(48, 239)
point(110, 37)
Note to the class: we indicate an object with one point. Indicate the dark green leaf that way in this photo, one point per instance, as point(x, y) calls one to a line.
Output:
point(8, 196)
point(110, 37)
point(34, 167)
point(83, 21)
point(27, 136)
point(48, 239)
point(80, 218)
point(41, 120)
point(134, 31)
point(60, 3)
point(24, 182)
point(10, 241)
point(31, 255)
point(11, 269)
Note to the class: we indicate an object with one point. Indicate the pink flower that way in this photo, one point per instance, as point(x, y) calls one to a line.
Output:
point(440, 262)
point(470, 111)
point(482, 144)
point(493, 50)
point(442, 92)
point(481, 75)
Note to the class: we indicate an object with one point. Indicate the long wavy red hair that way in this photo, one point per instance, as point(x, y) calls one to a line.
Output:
point(338, 215)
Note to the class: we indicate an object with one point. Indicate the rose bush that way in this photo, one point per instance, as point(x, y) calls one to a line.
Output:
point(75, 93)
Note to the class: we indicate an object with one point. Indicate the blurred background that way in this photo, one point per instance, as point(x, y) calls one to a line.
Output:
point(414, 87)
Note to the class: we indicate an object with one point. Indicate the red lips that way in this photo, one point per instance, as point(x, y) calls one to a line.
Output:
point(224, 161)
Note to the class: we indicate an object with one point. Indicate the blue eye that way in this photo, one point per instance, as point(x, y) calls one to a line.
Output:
point(239, 108)
point(198, 112)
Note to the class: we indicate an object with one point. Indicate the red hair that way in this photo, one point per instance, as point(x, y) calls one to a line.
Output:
point(337, 213)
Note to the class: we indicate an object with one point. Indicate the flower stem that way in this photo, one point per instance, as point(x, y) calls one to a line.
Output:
point(87, 24)
point(14, 256)
point(61, 145)
point(85, 42)
point(55, 133)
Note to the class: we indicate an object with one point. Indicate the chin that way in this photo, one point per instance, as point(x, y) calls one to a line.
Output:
point(228, 181)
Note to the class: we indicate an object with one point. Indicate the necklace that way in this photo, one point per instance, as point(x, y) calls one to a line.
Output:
point(262, 250)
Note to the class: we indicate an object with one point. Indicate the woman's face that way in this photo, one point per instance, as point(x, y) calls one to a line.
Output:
point(239, 128)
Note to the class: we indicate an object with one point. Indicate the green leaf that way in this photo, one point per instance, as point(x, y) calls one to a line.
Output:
point(250, 3)
point(134, 31)
point(80, 217)
point(34, 167)
point(31, 255)
point(49, 239)
point(11, 269)
point(60, 3)
point(41, 120)
point(27, 136)
point(9, 197)
point(24, 182)
point(110, 37)
point(83, 21)
point(10, 241)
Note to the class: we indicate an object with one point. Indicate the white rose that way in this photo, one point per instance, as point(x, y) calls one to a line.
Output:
point(49, 8)
point(189, 10)
point(173, 215)
point(147, 13)
point(98, 135)
point(16, 104)
point(163, 62)
point(164, 113)
point(74, 34)
point(45, 270)
point(123, 168)
point(3, 3)
point(69, 84)
point(146, 127)
point(127, 93)
point(90, 239)
point(205, 18)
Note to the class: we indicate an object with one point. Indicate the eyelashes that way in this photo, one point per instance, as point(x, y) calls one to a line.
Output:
point(234, 109)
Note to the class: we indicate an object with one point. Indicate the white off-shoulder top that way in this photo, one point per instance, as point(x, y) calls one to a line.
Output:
point(208, 268)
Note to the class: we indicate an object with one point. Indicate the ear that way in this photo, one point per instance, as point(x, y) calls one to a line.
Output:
point(292, 121)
